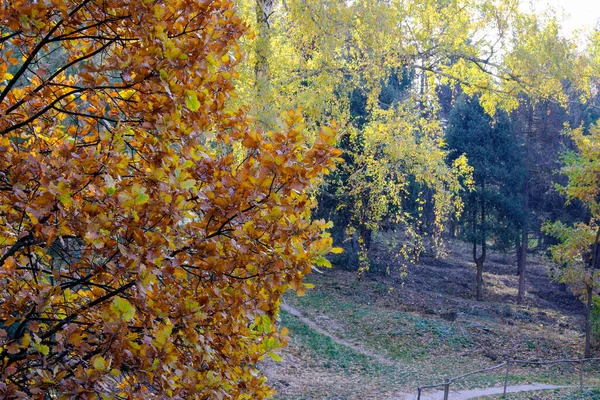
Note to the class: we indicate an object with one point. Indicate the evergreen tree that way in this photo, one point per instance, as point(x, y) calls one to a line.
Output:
point(491, 207)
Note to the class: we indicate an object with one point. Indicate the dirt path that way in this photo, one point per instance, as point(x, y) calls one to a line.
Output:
point(438, 395)
point(474, 393)
point(356, 348)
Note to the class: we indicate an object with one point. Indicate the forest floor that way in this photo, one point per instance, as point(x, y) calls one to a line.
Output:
point(383, 335)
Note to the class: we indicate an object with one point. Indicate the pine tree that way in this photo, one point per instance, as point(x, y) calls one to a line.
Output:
point(490, 207)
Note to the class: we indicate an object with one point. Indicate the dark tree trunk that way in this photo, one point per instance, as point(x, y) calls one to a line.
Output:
point(518, 251)
point(525, 226)
point(588, 321)
point(522, 267)
point(540, 243)
point(479, 293)
point(365, 235)
point(479, 260)
point(590, 298)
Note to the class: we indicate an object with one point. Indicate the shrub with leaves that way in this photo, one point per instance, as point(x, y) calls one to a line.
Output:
point(140, 255)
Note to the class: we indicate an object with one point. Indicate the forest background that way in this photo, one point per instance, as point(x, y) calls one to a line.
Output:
point(168, 168)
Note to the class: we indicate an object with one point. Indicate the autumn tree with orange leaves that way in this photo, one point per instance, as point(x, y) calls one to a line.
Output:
point(140, 255)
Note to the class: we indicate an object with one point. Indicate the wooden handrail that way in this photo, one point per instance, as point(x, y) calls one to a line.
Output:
point(448, 381)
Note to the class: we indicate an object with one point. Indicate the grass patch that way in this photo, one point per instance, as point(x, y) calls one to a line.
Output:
point(328, 353)
point(552, 394)
point(398, 335)
point(430, 331)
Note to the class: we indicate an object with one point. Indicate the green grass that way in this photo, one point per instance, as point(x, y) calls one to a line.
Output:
point(399, 335)
point(426, 347)
point(324, 354)
point(433, 348)
point(329, 353)
point(396, 335)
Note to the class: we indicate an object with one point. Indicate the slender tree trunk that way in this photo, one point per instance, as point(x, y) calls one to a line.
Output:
point(590, 298)
point(365, 234)
point(522, 259)
point(481, 259)
point(479, 276)
point(524, 236)
point(540, 242)
point(479, 294)
point(263, 107)
point(588, 321)
point(518, 251)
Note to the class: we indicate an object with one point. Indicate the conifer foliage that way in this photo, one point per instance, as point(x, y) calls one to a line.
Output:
point(492, 205)
point(140, 255)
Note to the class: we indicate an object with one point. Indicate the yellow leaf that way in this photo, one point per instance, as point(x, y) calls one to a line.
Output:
point(99, 363)
point(188, 184)
point(192, 102)
point(26, 340)
point(162, 335)
point(123, 308)
point(42, 348)
point(142, 198)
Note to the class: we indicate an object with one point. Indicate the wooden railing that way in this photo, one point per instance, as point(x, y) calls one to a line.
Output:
point(507, 365)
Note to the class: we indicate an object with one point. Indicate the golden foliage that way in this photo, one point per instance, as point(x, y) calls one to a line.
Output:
point(139, 257)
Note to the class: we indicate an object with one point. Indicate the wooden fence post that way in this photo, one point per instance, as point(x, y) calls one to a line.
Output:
point(446, 388)
point(506, 377)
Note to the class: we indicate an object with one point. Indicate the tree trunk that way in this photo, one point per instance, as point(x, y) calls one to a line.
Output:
point(479, 294)
point(522, 259)
point(481, 259)
point(518, 251)
point(263, 107)
point(590, 298)
point(540, 242)
point(365, 235)
point(479, 264)
point(588, 321)
point(524, 237)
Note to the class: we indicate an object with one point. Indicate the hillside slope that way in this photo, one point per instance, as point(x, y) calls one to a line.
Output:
point(386, 334)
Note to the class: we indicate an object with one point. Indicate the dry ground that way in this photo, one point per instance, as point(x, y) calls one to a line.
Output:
point(380, 337)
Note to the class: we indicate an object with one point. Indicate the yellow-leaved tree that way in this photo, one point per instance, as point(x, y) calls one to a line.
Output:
point(579, 250)
point(378, 68)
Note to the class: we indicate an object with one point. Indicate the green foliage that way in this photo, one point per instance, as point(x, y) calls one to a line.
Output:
point(496, 157)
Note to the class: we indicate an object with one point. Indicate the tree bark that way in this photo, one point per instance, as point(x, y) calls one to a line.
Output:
point(588, 321)
point(479, 294)
point(540, 242)
point(590, 298)
point(366, 235)
point(524, 237)
point(481, 259)
point(518, 251)
point(522, 267)
point(263, 107)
